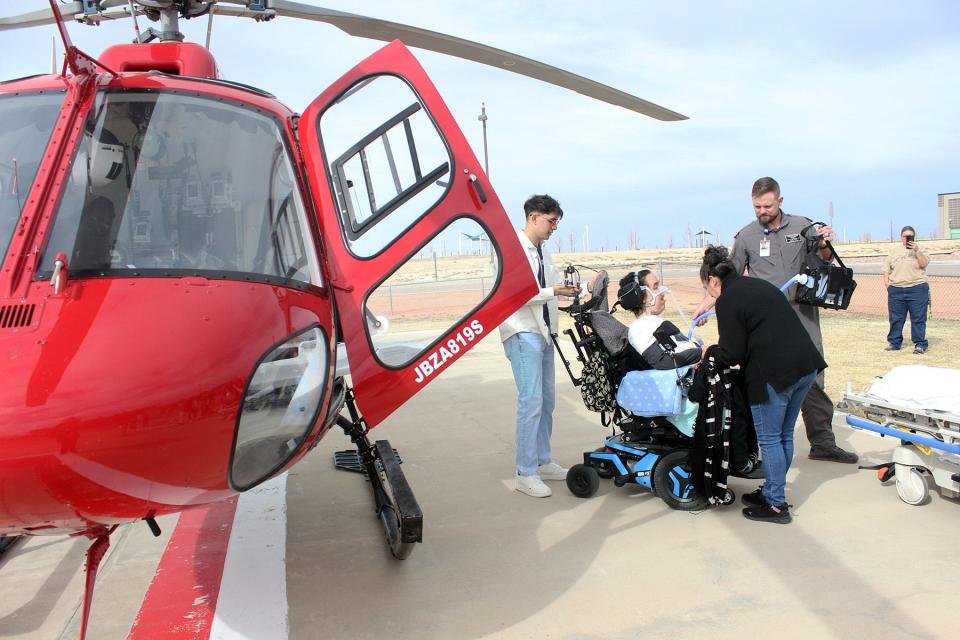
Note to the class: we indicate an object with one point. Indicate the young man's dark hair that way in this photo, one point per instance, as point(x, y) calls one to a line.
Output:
point(541, 204)
point(765, 185)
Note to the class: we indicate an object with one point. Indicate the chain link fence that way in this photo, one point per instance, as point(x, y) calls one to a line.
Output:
point(870, 297)
point(450, 297)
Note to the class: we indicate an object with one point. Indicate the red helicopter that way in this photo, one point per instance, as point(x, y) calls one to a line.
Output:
point(193, 276)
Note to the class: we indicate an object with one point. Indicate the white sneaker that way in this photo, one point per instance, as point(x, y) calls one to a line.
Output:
point(533, 486)
point(552, 471)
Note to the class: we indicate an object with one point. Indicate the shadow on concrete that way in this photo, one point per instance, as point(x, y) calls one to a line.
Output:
point(493, 559)
point(31, 615)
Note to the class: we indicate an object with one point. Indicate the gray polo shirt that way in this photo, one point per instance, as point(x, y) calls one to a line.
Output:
point(785, 260)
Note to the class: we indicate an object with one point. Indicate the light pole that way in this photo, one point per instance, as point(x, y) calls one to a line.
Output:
point(483, 120)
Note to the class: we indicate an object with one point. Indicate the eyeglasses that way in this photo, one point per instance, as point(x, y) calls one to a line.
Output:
point(553, 222)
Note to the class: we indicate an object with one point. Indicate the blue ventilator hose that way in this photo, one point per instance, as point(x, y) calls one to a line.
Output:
point(707, 314)
point(786, 285)
point(693, 323)
point(860, 423)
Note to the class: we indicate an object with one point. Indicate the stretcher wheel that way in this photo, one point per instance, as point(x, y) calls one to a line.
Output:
point(673, 482)
point(603, 468)
point(583, 481)
point(728, 498)
point(912, 486)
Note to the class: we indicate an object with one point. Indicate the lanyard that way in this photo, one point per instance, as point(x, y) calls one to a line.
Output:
point(541, 278)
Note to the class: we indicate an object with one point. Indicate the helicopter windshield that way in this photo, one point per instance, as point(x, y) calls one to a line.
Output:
point(26, 122)
point(164, 184)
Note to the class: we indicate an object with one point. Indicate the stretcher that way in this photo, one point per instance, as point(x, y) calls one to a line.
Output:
point(920, 407)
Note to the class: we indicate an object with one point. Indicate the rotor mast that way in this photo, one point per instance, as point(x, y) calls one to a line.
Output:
point(167, 13)
point(170, 25)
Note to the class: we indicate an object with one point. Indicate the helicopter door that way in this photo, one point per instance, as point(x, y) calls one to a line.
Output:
point(424, 262)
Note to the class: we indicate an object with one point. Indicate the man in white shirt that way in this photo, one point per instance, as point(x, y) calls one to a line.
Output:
point(527, 343)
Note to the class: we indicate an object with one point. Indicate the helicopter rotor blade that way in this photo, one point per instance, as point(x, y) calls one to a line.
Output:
point(111, 10)
point(37, 18)
point(376, 29)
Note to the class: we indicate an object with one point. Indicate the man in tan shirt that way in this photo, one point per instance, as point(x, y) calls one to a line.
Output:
point(905, 278)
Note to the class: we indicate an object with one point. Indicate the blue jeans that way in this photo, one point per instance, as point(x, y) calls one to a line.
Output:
point(774, 421)
point(531, 358)
point(912, 300)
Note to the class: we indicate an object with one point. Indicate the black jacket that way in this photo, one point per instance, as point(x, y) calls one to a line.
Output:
point(762, 333)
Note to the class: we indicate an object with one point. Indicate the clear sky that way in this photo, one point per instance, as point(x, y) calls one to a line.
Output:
point(855, 103)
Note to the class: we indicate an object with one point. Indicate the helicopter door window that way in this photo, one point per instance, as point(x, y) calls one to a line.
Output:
point(26, 123)
point(453, 274)
point(166, 184)
point(388, 161)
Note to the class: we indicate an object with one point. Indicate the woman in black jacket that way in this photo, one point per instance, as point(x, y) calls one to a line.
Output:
point(761, 332)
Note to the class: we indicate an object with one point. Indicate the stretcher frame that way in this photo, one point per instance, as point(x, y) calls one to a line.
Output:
point(929, 444)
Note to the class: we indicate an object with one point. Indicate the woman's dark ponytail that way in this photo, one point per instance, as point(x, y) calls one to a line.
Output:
point(716, 262)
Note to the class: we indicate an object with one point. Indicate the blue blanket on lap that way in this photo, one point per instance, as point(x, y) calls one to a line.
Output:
point(652, 393)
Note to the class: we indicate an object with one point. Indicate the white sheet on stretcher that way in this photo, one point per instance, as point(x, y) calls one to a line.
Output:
point(920, 387)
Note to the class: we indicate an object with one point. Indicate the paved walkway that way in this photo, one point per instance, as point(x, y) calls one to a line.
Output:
point(855, 563)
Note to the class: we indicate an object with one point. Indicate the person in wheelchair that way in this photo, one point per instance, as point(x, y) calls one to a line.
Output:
point(661, 345)
point(641, 293)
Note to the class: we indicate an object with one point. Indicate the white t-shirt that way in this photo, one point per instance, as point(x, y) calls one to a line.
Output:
point(640, 336)
point(529, 317)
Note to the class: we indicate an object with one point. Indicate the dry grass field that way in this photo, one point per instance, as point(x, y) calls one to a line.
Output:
point(854, 348)
point(453, 267)
point(615, 261)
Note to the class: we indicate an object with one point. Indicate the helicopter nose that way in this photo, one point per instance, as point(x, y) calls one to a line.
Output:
point(99, 420)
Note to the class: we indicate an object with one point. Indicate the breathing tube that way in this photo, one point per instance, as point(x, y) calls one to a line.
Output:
point(800, 278)
point(683, 316)
point(665, 291)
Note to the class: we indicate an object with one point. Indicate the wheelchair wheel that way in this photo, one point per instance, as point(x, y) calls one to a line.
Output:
point(582, 480)
point(673, 482)
point(603, 468)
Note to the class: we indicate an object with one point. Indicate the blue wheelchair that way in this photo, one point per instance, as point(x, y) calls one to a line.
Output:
point(655, 442)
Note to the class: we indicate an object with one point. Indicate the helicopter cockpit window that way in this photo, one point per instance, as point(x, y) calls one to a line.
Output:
point(166, 184)
point(26, 123)
point(390, 175)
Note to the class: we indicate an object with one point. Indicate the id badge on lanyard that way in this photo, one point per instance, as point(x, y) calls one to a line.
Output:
point(765, 247)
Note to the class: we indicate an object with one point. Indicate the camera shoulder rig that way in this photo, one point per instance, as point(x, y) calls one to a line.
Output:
point(825, 285)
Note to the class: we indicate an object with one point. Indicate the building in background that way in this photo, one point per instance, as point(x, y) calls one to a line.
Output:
point(948, 215)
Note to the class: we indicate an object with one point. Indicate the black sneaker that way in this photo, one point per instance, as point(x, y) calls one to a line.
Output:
point(833, 453)
point(919, 349)
point(779, 514)
point(891, 347)
point(754, 498)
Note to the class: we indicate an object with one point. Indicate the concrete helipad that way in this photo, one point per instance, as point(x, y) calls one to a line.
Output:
point(855, 563)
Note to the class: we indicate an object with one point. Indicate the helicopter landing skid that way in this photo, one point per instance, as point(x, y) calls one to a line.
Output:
point(394, 502)
point(6, 542)
point(352, 461)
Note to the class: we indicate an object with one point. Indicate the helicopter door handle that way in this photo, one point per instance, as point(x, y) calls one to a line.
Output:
point(59, 278)
point(479, 187)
